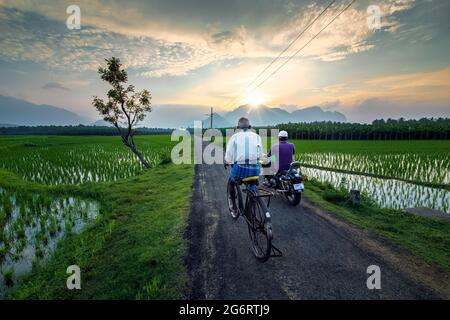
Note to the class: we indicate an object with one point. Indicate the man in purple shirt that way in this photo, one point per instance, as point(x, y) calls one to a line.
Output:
point(282, 154)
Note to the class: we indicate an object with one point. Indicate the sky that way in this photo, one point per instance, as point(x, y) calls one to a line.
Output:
point(194, 54)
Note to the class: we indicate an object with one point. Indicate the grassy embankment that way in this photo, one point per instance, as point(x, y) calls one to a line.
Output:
point(135, 247)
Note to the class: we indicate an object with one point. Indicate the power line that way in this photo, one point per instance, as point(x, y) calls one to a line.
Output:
point(298, 51)
point(281, 53)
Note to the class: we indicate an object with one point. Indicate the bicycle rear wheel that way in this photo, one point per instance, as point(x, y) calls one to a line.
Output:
point(260, 235)
point(234, 199)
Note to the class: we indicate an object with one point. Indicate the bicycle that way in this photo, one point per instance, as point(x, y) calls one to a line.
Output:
point(256, 214)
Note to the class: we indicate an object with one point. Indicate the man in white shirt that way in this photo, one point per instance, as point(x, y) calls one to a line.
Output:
point(244, 149)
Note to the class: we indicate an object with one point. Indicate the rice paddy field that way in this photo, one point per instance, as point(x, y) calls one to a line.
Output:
point(32, 222)
point(75, 160)
point(38, 175)
point(395, 174)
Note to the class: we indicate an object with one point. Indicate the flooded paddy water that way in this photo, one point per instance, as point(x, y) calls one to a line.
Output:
point(32, 224)
point(387, 193)
point(428, 168)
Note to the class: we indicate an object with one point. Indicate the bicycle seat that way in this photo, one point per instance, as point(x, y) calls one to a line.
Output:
point(250, 179)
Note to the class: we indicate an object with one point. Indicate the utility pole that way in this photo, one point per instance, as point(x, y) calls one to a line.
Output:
point(211, 115)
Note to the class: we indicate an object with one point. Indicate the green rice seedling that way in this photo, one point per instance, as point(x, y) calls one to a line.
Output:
point(7, 206)
point(61, 203)
point(3, 252)
point(52, 226)
point(15, 226)
point(34, 264)
point(39, 253)
point(19, 246)
point(44, 239)
point(421, 169)
point(428, 168)
point(20, 231)
point(2, 235)
point(68, 227)
point(102, 160)
point(386, 192)
point(42, 223)
point(8, 276)
point(15, 255)
point(3, 218)
point(39, 236)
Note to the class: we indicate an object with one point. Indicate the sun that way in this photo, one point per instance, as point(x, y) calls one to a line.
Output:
point(254, 99)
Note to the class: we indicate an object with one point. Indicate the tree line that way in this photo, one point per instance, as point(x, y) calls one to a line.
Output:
point(80, 130)
point(401, 129)
point(423, 129)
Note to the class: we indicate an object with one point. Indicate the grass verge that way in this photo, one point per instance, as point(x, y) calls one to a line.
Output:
point(133, 250)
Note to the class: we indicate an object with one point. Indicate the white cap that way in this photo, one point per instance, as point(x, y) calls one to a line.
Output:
point(283, 134)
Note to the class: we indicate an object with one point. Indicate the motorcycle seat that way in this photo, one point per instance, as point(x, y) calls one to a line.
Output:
point(280, 173)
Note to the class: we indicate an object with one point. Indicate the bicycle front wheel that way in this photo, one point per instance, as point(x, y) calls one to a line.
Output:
point(260, 239)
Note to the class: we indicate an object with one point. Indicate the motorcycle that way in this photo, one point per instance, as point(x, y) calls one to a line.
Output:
point(289, 183)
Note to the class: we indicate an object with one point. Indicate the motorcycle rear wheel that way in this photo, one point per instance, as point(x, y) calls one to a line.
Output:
point(293, 197)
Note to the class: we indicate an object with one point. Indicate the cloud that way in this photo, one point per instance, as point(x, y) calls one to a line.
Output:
point(330, 105)
point(378, 108)
point(54, 85)
point(419, 86)
point(27, 36)
point(222, 45)
point(409, 95)
point(174, 38)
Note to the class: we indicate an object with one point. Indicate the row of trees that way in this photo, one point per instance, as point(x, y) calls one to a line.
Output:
point(80, 130)
point(401, 129)
point(378, 130)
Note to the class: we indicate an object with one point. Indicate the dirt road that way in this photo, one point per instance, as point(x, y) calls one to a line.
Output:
point(323, 256)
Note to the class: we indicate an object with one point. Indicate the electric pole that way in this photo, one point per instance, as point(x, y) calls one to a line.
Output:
point(211, 115)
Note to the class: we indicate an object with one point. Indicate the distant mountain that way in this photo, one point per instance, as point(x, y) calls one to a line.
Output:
point(16, 112)
point(101, 123)
point(21, 112)
point(175, 116)
point(263, 115)
point(7, 125)
point(258, 115)
point(218, 122)
point(312, 114)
